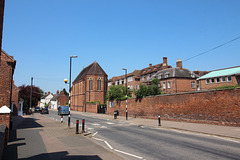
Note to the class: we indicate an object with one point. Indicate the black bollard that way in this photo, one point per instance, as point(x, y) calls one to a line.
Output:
point(69, 121)
point(159, 120)
point(83, 123)
point(77, 125)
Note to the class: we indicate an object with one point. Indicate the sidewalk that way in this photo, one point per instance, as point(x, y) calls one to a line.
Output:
point(215, 130)
point(39, 137)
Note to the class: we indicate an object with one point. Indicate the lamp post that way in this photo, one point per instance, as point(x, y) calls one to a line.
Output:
point(65, 80)
point(126, 91)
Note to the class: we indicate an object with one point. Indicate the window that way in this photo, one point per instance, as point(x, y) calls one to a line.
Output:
point(131, 87)
point(153, 74)
point(109, 83)
point(212, 80)
point(193, 84)
point(137, 87)
point(223, 79)
point(148, 76)
point(207, 81)
point(169, 84)
point(218, 80)
point(116, 82)
point(130, 79)
point(99, 84)
point(90, 84)
point(142, 78)
point(159, 76)
point(166, 75)
point(111, 104)
point(229, 78)
point(192, 75)
point(164, 85)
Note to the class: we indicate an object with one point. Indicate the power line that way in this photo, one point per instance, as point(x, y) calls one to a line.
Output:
point(214, 48)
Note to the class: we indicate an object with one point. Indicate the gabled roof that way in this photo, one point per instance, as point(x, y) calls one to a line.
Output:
point(222, 72)
point(176, 73)
point(92, 69)
point(55, 97)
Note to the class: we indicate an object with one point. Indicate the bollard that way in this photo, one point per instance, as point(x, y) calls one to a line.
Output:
point(77, 125)
point(69, 121)
point(115, 115)
point(159, 120)
point(61, 119)
point(83, 123)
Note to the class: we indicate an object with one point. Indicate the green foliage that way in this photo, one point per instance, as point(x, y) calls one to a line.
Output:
point(65, 92)
point(94, 102)
point(118, 92)
point(228, 87)
point(150, 90)
point(46, 105)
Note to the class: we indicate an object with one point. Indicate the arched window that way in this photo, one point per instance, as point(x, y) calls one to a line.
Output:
point(99, 84)
point(90, 84)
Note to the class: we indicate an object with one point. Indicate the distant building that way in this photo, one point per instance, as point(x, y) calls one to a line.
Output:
point(177, 79)
point(220, 78)
point(137, 77)
point(59, 99)
point(46, 99)
point(89, 86)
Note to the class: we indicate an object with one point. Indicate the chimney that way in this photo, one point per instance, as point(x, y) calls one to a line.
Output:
point(48, 92)
point(179, 63)
point(45, 93)
point(164, 61)
point(57, 91)
point(150, 65)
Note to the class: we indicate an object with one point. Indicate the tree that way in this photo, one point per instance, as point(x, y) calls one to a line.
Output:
point(118, 92)
point(25, 92)
point(150, 90)
point(65, 92)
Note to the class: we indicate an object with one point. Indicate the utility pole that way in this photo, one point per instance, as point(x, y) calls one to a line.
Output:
point(31, 93)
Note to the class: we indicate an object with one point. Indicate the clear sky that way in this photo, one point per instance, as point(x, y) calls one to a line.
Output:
point(43, 34)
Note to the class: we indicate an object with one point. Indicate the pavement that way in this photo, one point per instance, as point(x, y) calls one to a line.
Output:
point(37, 137)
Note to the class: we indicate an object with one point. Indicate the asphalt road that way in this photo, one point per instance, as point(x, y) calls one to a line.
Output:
point(141, 142)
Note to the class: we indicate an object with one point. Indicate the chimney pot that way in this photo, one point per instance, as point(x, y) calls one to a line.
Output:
point(150, 65)
point(179, 63)
point(57, 91)
point(165, 60)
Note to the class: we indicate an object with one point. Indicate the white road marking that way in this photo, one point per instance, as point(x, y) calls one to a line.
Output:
point(95, 124)
point(108, 144)
point(129, 154)
point(98, 139)
point(109, 123)
point(103, 127)
point(95, 134)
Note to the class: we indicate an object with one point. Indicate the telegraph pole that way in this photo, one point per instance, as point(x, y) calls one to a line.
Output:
point(31, 93)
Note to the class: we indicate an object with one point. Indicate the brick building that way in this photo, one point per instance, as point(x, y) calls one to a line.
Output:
point(220, 78)
point(15, 100)
point(59, 99)
point(177, 79)
point(137, 77)
point(89, 86)
point(7, 67)
point(2, 3)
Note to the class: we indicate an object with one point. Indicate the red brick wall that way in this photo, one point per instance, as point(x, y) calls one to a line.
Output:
point(91, 108)
point(15, 94)
point(6, 73)
point(218, 107)
point(63, 99)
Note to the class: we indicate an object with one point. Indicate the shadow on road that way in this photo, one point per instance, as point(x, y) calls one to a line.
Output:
point(63, 156)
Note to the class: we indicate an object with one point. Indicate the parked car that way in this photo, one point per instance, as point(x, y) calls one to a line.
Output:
point(37, 109)
point(45, 111)
point(63, 110)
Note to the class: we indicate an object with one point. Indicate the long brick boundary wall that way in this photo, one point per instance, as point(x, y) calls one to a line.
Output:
point(220, 107)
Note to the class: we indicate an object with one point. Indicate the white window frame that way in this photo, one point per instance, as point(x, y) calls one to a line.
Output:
point(229, 80)
point(223, 79)
point(169, 84)
point(193, 84)
point(207, 81)
point(213, 80)
point(164, 85)
point(130, 79)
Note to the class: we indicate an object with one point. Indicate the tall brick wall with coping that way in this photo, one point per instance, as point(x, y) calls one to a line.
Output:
point(91, 107)
point(5, 120)
point(214, 107)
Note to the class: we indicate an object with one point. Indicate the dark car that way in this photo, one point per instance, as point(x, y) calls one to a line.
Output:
point(37, 109)
point(45, 111)
point(63, 110)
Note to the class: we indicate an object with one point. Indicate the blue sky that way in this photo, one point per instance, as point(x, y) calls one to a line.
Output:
point(42, 34)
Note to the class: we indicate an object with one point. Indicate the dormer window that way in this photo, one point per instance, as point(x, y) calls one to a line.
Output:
point(192, 75)
point(166, 75)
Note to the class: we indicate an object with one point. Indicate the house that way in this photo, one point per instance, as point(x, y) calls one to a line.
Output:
point(177, 79)
point(7, 67)
point(59, 99)
point(89, 86)
point(220, 78)
point(45, 100)
point(135, 78)
point(15, 100)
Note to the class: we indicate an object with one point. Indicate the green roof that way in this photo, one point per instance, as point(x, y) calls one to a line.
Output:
point(222, 72)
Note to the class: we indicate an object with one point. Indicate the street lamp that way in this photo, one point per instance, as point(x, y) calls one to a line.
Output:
point(126, 91)
point(66, 80)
